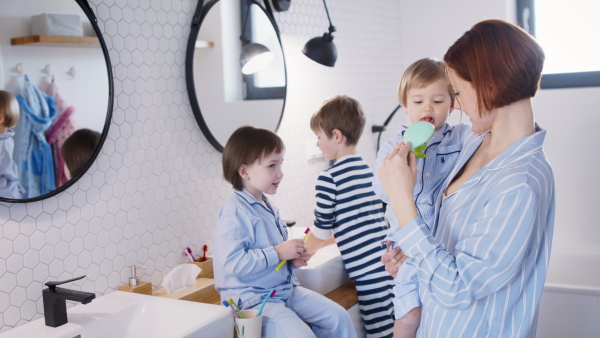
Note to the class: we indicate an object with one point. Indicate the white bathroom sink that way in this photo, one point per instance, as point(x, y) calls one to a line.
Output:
point(127, 315)
point(325, 271)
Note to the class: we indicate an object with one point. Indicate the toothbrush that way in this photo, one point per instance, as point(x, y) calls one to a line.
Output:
point(307, 232)
point(236, 308)
point(235, 315)
point(187, 254)
point(418, 134)
point(190, 252)
point(272, 293)
point(205, 249)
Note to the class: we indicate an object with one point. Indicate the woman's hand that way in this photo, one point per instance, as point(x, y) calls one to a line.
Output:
point(302, 260)
point(393, 259)
point(398, 176)
point(290, 249)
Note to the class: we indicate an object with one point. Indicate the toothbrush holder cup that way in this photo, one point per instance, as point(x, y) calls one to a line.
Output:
point(250, 326)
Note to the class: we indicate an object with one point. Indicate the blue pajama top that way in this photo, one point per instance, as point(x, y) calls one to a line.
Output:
point(442, 152)
point(244, 255)
point(9, 176)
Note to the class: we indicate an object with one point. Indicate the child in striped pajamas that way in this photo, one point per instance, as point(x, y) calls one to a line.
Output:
point(348, 208)
point(426, 96)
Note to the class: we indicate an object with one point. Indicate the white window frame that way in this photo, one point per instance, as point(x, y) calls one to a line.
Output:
point(526, 19)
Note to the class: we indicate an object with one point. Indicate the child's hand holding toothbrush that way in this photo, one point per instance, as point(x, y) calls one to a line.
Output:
point(290, 249)
point(302, 260)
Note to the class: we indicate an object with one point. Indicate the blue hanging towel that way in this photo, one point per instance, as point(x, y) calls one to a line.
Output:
point(36, 167)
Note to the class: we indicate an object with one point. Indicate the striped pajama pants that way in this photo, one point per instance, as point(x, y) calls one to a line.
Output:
point(375, 301)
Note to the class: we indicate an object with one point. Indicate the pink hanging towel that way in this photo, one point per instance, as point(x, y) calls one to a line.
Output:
point(62, 128)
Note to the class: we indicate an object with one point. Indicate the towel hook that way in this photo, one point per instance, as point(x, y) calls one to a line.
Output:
point(20, 68)
point(48, 69)
point(73, 72)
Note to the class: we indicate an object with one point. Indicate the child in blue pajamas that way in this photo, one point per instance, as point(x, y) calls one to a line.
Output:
point(348, 209)
point(426, 96)
point(250, 241)
point(9, 173)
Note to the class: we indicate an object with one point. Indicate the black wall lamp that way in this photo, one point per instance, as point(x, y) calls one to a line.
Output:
point(281, 5)
point(321, 48)
point(254, 56)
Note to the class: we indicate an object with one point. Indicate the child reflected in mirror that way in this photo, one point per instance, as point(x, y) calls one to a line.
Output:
point(77, 150)
point(9, 116)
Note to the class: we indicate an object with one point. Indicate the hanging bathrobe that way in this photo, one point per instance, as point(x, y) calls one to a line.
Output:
point(61, 129)
point(36, 167)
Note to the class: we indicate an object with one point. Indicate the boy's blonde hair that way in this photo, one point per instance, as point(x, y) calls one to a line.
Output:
point(246, 145)
point(9, 109)
point(421, 74)
point(343, 113)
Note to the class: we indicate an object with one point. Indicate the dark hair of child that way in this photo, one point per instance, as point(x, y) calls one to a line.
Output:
point(246, 145)
point(78, 148)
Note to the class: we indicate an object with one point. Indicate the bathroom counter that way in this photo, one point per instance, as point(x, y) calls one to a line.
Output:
point(203, 292)
point(345, 295)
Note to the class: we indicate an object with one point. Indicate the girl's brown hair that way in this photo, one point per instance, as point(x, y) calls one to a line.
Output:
point(421, 74)
point(501, 60)
point(78, 148)
point(9, 109)
point(246, 145)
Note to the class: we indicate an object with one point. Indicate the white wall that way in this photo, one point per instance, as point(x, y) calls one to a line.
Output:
point(156, 187)
point(570, 116)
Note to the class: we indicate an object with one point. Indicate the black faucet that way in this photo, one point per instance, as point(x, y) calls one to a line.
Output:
point(55, 305)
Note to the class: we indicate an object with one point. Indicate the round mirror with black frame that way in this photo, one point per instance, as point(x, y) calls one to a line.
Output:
point(72, 74)
point(223, 97)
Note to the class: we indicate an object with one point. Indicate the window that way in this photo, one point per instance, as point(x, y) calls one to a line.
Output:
point(568, 31)
point(268, 83)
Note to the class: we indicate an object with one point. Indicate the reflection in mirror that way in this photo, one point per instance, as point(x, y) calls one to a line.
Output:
point(60, 73)
point(223, 98)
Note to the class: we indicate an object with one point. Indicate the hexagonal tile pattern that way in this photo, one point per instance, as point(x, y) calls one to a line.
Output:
point(156, 186)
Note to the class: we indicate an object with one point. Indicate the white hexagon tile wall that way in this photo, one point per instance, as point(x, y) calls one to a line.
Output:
point(156, 187)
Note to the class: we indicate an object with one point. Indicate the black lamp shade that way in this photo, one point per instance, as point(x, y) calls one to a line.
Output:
point(254, 57)
point(321, 49)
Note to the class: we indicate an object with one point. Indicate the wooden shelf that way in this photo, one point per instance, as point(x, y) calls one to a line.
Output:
point(55, 40)
point(204, 44)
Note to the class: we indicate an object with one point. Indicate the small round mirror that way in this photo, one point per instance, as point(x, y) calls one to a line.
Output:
point(222, 97)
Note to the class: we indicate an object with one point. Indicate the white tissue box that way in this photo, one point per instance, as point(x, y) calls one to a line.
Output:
point(56, 24)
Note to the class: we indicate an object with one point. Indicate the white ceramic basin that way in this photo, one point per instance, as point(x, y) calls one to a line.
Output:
point(325, 271)
point(127, 315)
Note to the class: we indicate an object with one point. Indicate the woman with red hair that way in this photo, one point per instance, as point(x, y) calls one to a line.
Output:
point(483, 264)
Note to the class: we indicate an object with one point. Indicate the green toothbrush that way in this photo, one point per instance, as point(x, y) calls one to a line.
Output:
point(236, 307)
